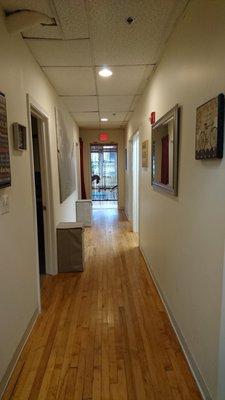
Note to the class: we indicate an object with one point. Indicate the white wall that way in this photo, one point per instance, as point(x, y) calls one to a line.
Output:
point(115, 136)
point(19, 75)
point(183, 238)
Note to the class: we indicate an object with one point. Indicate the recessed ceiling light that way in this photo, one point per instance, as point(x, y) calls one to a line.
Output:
point(104, 119)
point(105, 72)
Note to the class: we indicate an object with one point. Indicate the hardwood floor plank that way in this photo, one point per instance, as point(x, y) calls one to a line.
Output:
point(103, 334)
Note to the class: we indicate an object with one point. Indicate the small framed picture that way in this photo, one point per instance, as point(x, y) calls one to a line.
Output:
point(145, 154)
point(210, 129)
point(19, 136)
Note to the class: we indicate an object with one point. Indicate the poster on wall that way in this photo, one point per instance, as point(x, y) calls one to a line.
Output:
point(145, 154)
point(66, 159)
point(209, 129)
point(5, 173)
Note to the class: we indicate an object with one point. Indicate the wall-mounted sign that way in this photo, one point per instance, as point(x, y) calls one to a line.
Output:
point(209, 129)
point(5, 174)
point(145, 154)
point(103, 137)
point(19, 136)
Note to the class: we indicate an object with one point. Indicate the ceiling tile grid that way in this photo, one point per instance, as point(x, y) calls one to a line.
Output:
point(90, 34)
point(118, 43)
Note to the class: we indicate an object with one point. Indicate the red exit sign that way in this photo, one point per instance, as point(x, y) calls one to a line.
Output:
point(103, 137)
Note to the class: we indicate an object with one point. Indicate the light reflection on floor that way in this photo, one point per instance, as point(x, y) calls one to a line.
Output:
point(104, 204)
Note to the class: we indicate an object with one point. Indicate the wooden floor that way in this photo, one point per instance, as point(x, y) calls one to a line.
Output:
point(103, 334)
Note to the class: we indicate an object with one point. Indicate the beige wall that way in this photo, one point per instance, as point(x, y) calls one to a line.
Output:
point(19, 75)
point(116, 136)
point(183, 238)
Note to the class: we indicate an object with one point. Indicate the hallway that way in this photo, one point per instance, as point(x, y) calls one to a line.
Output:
point(103, 334)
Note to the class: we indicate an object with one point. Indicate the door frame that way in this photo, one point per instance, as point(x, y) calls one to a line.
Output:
point(131, 143)
point(33, 108)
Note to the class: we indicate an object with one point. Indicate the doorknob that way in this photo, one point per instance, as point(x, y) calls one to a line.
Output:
point(44, 208)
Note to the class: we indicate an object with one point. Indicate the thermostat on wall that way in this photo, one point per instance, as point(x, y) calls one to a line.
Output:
point(19, 136)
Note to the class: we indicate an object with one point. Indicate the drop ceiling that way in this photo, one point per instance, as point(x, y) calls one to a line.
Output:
point(90, 34)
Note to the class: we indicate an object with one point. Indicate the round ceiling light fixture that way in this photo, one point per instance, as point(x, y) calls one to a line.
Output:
point(105, 72)
point(103, 119)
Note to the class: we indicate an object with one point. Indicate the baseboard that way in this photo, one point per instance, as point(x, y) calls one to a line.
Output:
point(190, 359)
point(5, 380)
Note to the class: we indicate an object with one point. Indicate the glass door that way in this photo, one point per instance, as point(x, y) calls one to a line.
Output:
point(104, 162)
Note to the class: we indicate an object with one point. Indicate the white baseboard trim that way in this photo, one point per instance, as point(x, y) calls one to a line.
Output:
point(5, 380)
point(191, 361)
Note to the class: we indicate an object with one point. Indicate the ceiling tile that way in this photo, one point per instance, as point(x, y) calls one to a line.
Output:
point(125, 81)
point(73, 18)
point(86, 116)
point(118, 43)
point(61, 52)
point(113, 117)
point(71, 80)
point(110, 125)
point(86, 124)
point(80, 103)
point(115, 103)
point(43, 32)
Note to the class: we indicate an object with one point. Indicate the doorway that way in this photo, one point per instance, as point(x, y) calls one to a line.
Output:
point(39, 192)
point(135, 182)
point(104, 175)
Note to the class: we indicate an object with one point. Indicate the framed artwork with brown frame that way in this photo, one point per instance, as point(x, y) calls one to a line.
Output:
point(5, 172)
point(210, 129)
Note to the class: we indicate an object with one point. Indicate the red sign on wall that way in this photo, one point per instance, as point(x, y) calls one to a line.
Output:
point(104, 137)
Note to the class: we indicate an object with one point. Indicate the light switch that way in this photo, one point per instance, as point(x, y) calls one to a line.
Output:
point(4, 204)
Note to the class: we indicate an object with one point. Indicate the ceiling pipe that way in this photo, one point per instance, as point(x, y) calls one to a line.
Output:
point(18, 21)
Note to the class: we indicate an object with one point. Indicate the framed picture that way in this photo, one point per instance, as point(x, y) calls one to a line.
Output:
point(66, 158)
point(19, 136)
point(145, 154)
point(165, 152)
point(210, 129)
point(5, 173)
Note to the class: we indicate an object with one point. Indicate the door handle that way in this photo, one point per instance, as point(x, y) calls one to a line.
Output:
point(44, 208)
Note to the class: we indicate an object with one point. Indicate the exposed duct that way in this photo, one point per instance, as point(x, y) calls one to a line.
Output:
point(20, 20)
